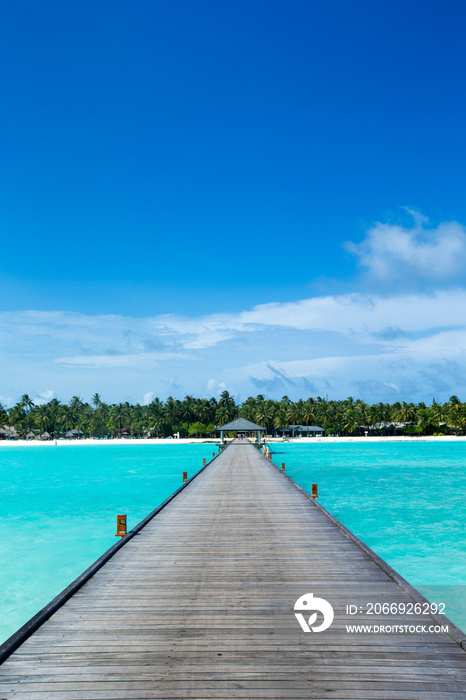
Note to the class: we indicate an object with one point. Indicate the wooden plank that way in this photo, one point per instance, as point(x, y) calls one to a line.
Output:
point(199, 603)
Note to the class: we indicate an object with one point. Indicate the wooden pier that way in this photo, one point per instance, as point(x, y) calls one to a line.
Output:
point(200, 604)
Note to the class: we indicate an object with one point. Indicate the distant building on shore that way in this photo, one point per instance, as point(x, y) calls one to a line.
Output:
point(303, 431)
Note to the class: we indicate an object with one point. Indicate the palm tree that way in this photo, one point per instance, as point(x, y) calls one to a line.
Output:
point(17, 417)
point(265, 415)
point(102, 413)
point(118, 415)
point(155, 411)
point(280, 418)
point(187, 410)
point(26, 402)
point(424, 418)
point(213, 407)
point(453, 412)
point(406, 413)
point(89, 419)
point(203, 411)
point(292, 415)
point(439, 413)
point(63, 415)
point(54, 409)
point(460, 418)
point(171, 410)
point(326, 412)
point(228, 402)
point(42, 417)
point(76, 404)
point(157, 422)
point(96, 400)
point(351, 420)
point(221, 416)
point(308, 412)
point(248, 409)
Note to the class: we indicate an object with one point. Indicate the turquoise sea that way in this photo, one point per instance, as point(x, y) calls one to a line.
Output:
point(59, 506)
point(405, 500)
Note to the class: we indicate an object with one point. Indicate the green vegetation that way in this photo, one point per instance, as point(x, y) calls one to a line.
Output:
point(198, 417)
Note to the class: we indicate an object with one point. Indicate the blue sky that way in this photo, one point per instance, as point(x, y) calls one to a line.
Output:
point(192, 192)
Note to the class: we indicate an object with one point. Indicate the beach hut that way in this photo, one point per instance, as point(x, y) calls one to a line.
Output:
point(304, 431)
point(10, 432)
point(69, 434)
point(30, 435)
point(45, 436)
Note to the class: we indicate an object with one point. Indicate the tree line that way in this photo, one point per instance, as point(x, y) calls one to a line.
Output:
point(198, 417)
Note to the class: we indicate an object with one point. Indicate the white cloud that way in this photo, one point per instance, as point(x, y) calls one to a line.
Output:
point(44, 397)
point(364, 314)
point(147, 398)
point(139, 360)
point(391, 252)
point(377, 346)
point(201, 332)
point(214, 387)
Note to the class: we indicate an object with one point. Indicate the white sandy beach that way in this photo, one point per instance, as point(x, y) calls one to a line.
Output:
point(197, 441)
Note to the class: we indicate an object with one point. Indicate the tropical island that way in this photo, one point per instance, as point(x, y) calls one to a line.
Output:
point(198, 417)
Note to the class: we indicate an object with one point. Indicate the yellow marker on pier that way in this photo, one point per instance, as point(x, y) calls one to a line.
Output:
point(121, 526)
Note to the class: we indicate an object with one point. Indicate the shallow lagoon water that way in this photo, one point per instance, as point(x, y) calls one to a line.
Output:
point(59, 506)
point(405, 500)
